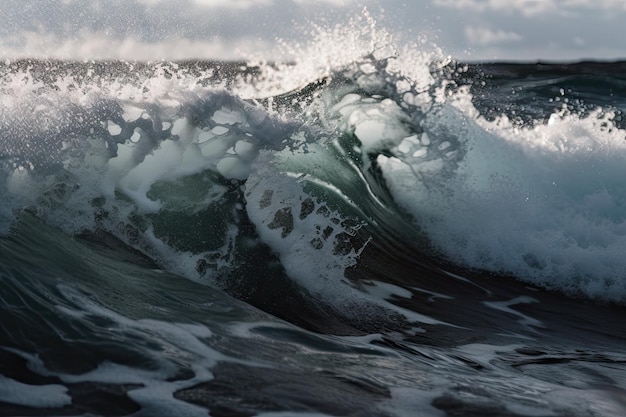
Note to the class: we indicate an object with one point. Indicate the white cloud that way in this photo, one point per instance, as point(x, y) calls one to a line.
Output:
point(533, 7)
point(484, 36)
point(337, 3)
point(175, 29)
point(223, 4)
point(526, 7)
point(101, 46)
point(233, 4)
point(247, 4)
point(603, 4)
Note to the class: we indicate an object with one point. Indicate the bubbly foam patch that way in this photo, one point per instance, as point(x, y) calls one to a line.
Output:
point(313, 241)
point(377, 124)
point(42, 396)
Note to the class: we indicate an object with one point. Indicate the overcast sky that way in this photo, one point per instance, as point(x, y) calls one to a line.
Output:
point(476, 30)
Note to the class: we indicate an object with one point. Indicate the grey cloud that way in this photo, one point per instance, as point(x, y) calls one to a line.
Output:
point(506, 29)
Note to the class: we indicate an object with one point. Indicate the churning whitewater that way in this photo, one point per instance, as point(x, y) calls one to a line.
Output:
point(368, 230)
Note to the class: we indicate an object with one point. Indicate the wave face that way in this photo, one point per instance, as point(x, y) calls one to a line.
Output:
point(389, 213)
point(156, 149)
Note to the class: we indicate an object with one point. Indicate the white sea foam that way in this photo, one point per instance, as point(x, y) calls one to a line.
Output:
point(87, 141)
point(305, 232)
point(542, 203)
point(178, 343)
point(43, 396)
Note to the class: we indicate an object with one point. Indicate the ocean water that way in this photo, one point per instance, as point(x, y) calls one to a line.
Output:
point(369, 230)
